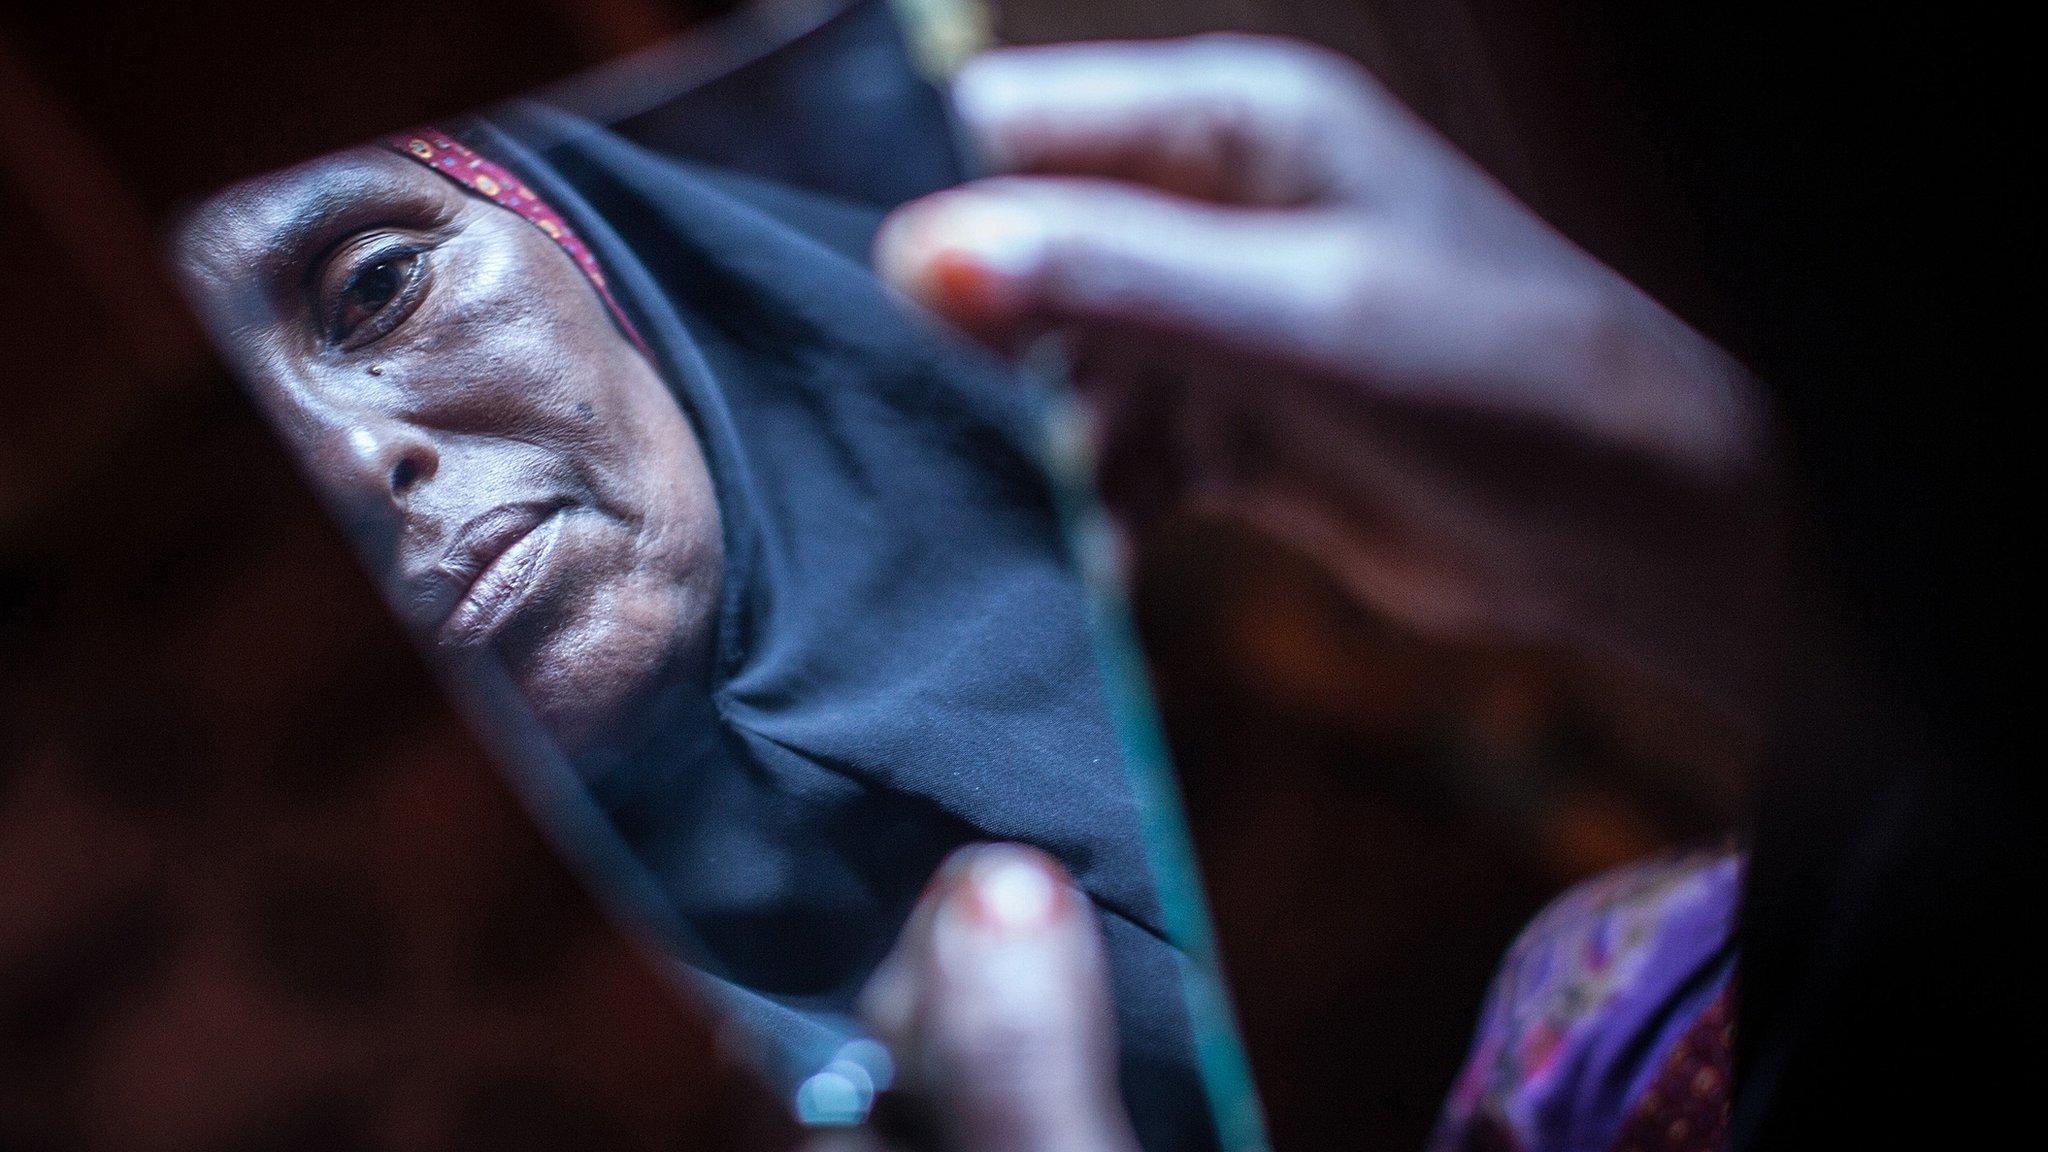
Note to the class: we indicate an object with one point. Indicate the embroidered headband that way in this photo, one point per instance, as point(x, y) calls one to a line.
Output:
point(452, 159)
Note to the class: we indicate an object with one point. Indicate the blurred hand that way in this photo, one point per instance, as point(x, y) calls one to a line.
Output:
point(1286, 298)
point(995, 1004)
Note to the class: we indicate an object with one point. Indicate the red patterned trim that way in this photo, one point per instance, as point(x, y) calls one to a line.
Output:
point(1685, 1108)
point(451, 158)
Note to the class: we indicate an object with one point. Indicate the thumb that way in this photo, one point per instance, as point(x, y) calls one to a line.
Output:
point(996, 1004)
point(1008, 256)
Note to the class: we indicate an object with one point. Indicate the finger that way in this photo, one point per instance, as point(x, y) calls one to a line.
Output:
point(1006, 256)
point(1233, 118)
point(902, 984)
point(1011, 1041)
point(890, 997)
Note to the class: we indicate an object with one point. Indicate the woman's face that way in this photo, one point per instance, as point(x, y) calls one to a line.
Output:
point(521, 479)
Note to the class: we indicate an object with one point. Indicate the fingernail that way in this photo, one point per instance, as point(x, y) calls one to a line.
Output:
point(1004, 236)
point(965, 254)
point(1012, 890)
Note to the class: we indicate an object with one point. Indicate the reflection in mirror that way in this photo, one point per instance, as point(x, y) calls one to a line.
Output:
point(760, 568)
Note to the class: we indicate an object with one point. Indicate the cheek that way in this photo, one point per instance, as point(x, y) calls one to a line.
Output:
point(646, 464)
point(633, 447)
point(503, 352)
point(521, 347)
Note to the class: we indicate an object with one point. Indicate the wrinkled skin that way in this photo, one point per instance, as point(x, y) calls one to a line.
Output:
point(521, 482)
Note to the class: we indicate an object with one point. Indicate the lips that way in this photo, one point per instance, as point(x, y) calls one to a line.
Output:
point(487, 572)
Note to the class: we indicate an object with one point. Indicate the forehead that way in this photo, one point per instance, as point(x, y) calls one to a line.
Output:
point(277, 224)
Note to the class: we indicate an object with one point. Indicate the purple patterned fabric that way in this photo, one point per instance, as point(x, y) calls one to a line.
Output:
point(451, 158)
point(1607, 1025)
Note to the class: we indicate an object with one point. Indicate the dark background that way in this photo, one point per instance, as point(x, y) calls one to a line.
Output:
point(255, 884)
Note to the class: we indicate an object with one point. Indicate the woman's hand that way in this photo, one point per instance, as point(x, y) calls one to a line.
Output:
point(1287, 298)
point(995, 1005)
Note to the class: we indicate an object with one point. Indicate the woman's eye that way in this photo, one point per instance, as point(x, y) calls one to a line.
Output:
point(371, 299)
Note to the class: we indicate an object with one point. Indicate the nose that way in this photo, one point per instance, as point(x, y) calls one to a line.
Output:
point(372, 465)
point(390, 461)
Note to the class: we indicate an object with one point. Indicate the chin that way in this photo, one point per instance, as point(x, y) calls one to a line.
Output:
point(582, 679)
point(580, 704)
point(577, 724)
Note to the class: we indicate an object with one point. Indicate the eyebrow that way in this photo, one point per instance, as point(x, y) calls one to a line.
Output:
point(335, 207)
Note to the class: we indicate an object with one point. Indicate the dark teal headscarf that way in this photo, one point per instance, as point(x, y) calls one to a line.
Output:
point(900, 664)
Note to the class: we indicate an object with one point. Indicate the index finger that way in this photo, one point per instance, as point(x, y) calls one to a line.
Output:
point(1230, 118)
